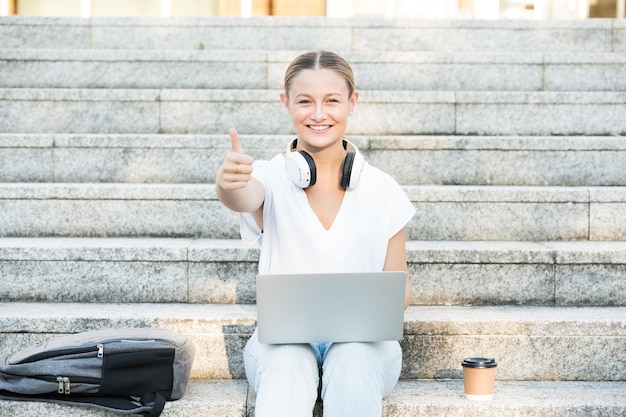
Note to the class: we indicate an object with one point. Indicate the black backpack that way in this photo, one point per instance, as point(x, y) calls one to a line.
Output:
point(129, 371)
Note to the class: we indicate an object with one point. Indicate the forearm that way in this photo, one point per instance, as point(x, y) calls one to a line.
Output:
point(396, 261)
point(247, 199)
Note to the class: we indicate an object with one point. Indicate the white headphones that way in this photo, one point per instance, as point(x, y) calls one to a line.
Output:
point(301, 166)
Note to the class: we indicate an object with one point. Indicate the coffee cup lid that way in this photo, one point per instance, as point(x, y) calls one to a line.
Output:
point(479, 363)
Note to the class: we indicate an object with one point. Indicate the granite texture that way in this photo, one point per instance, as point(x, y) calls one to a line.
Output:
point(591, 72)
point(131, 69)
point(224, 398)
point(192, 210)
point(122, 158)
point(49, 32)
point(416, 160)
point(260, 112)
point(549, 113)
point(114, 210)
point(619, 33)
point(268, 34)
point(498, 213)
point(78, 111)
point(80, 281)
point(100, 250)
point(524, 399)
point(278, 33)
point(434, 344)
point(26, 164)
point(503, 167)
point(482, 284)
point(223, 271)
point(374, 70)
point(222, 282)
point(591, 284)
point(576, 343)
point(32, 68)
point(607, 215)
point(608, 221)
point(509, 36)
point(427, 398)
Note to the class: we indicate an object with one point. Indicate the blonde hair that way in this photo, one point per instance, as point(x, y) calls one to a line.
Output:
point(317, 60)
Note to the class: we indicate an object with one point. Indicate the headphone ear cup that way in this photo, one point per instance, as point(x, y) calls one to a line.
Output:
point(301, 169)
point(346, 170)
point(352, 169)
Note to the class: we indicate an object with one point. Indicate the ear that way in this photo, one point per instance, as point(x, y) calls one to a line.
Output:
point(353, 99)
point(285, 100)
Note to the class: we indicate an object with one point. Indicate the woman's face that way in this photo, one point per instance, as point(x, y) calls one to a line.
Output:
point(319, 104)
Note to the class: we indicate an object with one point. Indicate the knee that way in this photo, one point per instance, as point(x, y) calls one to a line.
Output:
point(377, 365)
point(290, 362)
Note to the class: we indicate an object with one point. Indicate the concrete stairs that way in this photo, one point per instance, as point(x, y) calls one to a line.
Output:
point(508, 136)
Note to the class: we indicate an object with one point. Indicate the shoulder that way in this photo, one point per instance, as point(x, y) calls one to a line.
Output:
point(265, 170)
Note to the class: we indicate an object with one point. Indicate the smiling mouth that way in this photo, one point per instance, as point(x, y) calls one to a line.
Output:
point(319, 128)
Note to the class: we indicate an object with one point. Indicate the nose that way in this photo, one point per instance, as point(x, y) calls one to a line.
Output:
point(319, 113)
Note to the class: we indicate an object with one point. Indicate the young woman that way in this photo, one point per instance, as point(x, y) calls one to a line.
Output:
point(319, 208)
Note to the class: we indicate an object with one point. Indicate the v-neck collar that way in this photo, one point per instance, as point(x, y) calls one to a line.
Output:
point(311, 216)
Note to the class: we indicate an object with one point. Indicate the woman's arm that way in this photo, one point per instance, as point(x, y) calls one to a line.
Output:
point(396, 261)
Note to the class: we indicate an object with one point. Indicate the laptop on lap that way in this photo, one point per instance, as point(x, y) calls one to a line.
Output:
point(330, 307)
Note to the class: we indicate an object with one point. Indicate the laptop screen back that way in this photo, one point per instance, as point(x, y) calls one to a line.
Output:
point(342, 307)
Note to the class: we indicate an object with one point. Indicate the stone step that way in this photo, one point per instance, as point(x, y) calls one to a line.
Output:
point(410, 398)
point(261, 112)
point(411, 160)
point(530, 343)
point(223, 271)
point(456, 71)
point(304, 33)
point(193, 210)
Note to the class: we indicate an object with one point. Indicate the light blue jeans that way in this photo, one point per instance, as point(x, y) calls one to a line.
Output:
point(355, 377)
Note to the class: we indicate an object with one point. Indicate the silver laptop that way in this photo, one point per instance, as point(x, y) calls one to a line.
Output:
point(342, 307)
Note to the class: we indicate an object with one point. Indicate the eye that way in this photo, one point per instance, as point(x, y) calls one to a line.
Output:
point(303, 101)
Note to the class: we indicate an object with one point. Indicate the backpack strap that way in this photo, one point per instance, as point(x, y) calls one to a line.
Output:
point(148, 405)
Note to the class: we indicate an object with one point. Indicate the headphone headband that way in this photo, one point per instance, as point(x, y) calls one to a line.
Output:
point(301, 169)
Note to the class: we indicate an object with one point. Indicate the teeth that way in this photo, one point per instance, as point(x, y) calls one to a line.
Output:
point(319, 127)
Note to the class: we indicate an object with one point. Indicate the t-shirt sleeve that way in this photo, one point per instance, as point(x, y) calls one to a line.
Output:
point(249, 230)
point(397, 208)
point(403, 213)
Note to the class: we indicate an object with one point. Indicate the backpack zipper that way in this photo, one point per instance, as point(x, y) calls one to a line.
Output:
point(62, 352)
point(64, 384)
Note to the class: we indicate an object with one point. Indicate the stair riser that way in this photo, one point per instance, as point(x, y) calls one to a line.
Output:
point(433, 354)
point(233, 282)
point(135, 164)
point(260, 112)
point(315, 33)
point(223, 271)
point(503, 167)
point(447, 213)
point(111, 218)
point(519, 357)
point(189, 73)
point(233, 398)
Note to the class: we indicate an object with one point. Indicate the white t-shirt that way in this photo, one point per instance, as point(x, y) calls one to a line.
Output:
point(293, 239)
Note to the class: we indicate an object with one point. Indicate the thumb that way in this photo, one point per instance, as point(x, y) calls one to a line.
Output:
point(234, 140)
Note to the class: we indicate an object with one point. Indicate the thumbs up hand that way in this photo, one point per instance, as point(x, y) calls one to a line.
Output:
point(235, 172)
